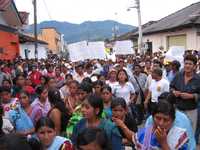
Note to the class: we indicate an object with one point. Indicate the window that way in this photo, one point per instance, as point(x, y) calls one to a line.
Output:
point(1, 50)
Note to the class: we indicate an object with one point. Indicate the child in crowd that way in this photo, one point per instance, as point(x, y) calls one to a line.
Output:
point(84, 90)
point(64, 91)
point(92, 109)
point(6, 83)
point(71, 99)
point(92, 138)
point(106, 92)
point(19, 85)
point(41, 103)
point(97, 86)
point(7, 101)
point(120, 113)
point(5, 125)
point(14, 112)
point(112, 78)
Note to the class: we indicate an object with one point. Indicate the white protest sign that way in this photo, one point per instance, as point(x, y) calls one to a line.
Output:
point(86, 50)
point(77, 51)
point(97, 50)
point(175, 53)
point(123, 47)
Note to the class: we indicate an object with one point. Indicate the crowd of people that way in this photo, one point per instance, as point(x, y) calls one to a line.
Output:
point(140, 102)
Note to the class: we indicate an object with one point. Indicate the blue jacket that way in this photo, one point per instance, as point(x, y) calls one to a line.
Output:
point(110, 129)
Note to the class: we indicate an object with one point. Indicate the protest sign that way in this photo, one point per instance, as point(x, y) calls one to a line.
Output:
point(86, 50)
point(175, 53)
point(123, 47)
point(77, 51)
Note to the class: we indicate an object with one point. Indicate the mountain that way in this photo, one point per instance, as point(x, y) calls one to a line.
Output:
point(89, 30)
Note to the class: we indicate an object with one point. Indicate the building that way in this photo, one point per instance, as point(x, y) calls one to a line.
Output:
point(53, 38)
point(27, 47)
point(181, 28)
point(10, 23)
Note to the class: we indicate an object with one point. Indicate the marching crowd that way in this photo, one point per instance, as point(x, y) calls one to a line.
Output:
point(140, 102)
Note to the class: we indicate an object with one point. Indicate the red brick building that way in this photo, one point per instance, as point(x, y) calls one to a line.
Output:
point(10, 21)
point(9, 43)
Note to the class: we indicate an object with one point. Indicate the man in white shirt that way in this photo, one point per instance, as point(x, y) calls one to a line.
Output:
point(79, 75)
point(89, 70)
point(156, 64)
point(158, 86)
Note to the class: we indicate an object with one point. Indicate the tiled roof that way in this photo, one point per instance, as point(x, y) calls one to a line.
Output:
point(186, 17)
point(24, 16)
point(4, 4)
point(28, 38)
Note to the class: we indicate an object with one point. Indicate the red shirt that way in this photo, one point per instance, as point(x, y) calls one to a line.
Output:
point(60, 78)
point(35, 77)
point(7, 70)
point(51, 74)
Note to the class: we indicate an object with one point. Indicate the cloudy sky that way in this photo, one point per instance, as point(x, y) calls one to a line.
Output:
point(78, 11)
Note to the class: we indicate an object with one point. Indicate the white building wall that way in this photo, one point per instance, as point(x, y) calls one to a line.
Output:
point(156, 39)
point(198, 42)
point(62, 42)
point(42, 50)
point(160, 39)
point(2, 21)
point(192, 39)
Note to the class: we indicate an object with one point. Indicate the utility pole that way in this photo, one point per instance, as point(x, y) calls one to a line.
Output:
point(115, 28)
point(140, 47)
point(35, 27)
point(115, 31)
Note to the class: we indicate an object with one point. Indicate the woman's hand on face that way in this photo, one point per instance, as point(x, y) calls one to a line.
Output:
point(118, 122)
point(161, 135)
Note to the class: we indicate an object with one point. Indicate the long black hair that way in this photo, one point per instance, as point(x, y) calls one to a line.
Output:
point(57, 102)
point(166, 108)
point(118, 101)
point(1, 120)
point(18, 142)
point(39, 90)
point(96, 102)
point(90, 135)
point(44, 121)
point(107, 88)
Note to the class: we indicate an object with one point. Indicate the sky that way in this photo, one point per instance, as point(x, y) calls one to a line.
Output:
point(78, 11)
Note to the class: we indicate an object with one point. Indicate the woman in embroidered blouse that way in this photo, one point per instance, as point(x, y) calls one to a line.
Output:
point(42, 103)
point(45, 131)
point(162, 135)
point(35, 114)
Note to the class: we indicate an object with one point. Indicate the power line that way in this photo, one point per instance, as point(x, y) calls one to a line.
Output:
point(48, 12)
